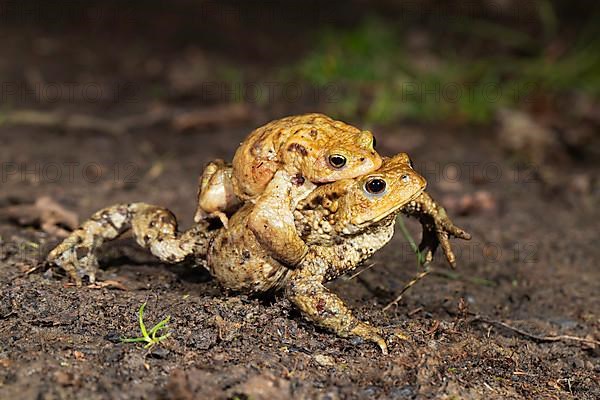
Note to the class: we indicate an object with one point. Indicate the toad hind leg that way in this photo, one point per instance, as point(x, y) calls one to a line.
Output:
point(154, 228)
point(216, 195)
point(437, 227)
point(327, 310)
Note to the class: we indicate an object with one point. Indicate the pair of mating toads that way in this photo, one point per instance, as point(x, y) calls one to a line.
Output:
point(306, 199)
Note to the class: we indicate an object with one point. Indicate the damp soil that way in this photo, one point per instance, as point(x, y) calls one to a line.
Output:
point(532, 263)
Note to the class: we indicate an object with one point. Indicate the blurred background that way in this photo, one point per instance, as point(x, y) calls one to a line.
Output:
point(526, 73)
point(190, 66)
point(452, 62)
point(496, 101)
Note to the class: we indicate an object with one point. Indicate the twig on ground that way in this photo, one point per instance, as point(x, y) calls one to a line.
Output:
point(224, 114)
point(33, 269)
point(219, 115)
point(52, 217)
point(108, 284)
point(459, 277)
point(536, 338)
point(420, 261)
point(406, 287)
point(51, 119)
point(415, 311)
point(362, 270)
point(434, 328)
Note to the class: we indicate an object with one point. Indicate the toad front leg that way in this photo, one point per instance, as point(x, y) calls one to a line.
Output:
point(437, 227)
point(327, 310)
point(272, 218)
point(154, 228)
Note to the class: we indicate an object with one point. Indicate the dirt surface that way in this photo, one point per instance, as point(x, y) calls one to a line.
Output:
point(532, 263)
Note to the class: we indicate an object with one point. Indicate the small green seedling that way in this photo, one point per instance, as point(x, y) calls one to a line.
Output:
point(150, 337)
point(411, 242)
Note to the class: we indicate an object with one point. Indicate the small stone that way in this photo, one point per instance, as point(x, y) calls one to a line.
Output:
point(63, 378)
point(113, 337)
point(159, 353)
point(323, 360)
point(263, 387)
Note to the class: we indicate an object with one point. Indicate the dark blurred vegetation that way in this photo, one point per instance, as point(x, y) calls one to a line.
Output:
point(380, 61)
point(459, 61)
point(424, 75)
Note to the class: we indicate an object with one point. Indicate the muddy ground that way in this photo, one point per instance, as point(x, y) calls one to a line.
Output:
point(532, 263)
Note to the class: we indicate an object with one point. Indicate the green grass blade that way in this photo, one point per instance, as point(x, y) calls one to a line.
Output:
point(411, 241)
point(149, 336)
point(141, 321)
point(161, 325)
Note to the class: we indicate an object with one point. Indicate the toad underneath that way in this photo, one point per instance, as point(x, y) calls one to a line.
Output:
point(342, 223)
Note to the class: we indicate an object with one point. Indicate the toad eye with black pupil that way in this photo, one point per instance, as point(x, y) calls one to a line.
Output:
point(337, 161)
point(405, 178)
point(375, 186)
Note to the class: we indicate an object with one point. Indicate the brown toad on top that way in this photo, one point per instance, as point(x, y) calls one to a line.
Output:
point(310, 147)
point(343, 223)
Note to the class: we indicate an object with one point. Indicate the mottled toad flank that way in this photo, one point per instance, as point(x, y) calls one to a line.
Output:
point(342, 224)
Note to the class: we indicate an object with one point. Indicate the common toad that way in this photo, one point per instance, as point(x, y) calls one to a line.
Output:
point(309, 147)
point(343, 223)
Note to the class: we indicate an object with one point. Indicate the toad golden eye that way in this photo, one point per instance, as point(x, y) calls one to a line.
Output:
point(337, 161)
point(375, 186)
